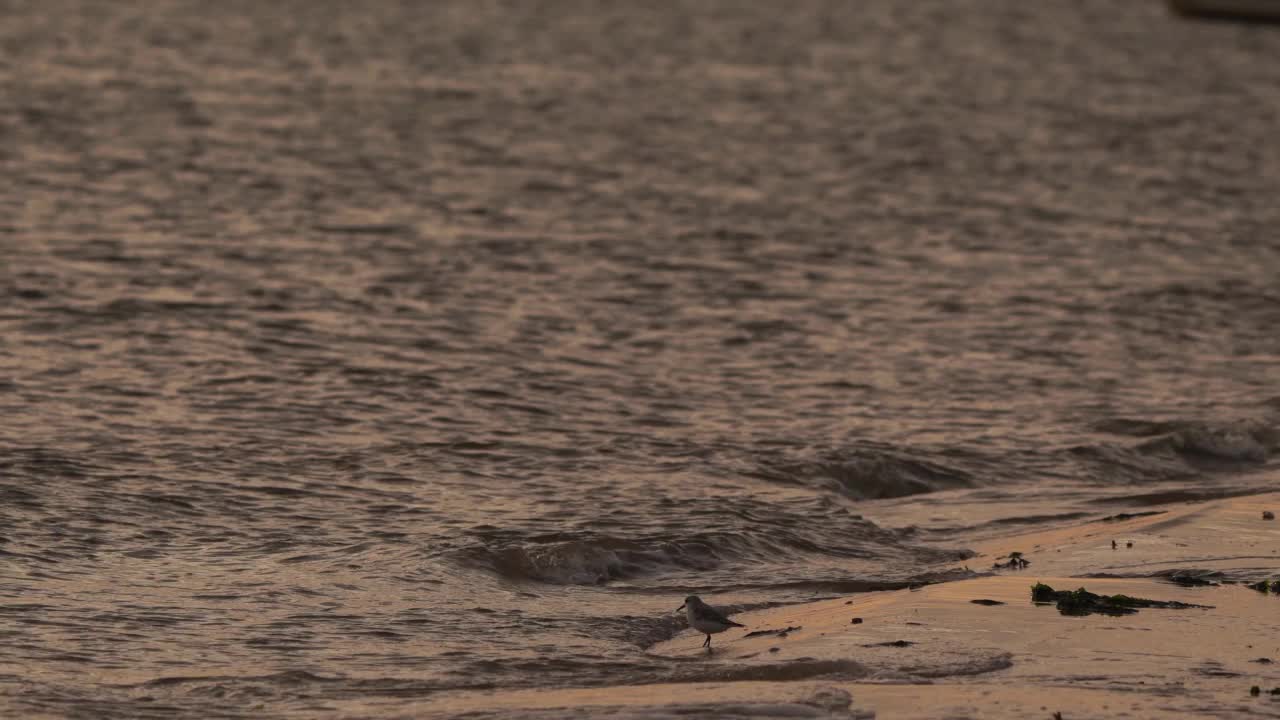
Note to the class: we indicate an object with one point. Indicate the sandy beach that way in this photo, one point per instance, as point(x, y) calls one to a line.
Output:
point(933, 652)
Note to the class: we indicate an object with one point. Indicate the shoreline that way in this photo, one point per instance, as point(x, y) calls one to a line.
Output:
point(930, 651)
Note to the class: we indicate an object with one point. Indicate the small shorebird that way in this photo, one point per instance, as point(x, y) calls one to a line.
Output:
point(705, 619)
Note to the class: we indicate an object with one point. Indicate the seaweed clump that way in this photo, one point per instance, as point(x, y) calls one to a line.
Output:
point(1256, 691)
point(1082, 602)
point(1189, 579)
point(1263, 586)
point(1016, 562)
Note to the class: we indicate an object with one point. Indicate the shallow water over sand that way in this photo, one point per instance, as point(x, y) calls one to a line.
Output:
point(374, 354)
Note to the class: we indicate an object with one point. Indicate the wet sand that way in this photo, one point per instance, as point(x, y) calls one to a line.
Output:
point(1014, 659)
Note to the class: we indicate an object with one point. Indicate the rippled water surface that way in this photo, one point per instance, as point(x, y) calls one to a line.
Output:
point(358, 353)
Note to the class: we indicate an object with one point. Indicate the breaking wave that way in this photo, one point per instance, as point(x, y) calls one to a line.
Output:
point(1180, 449)
point(768, 551)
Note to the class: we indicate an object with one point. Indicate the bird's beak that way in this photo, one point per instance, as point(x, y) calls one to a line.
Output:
point(680, 608)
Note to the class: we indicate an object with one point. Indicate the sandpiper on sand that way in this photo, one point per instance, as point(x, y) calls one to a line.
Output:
point(705, 619)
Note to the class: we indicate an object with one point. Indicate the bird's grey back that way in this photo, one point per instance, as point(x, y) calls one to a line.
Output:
point(706, 613)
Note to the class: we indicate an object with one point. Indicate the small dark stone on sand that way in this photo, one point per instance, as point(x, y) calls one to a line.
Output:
point(848, 602)
point(1264, 661)
point(774, 649)
point(1255, 690)
point(1129, 544)
point(856, 621)
point(892, 643)
point(985, 601)
point(1268, 515)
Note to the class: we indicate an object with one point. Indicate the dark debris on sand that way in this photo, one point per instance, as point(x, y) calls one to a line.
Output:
point(891, 643)
point(1015, 562)
point(780, 633)
point(1190, 580)
point(1129, 516)
point(1082, 602)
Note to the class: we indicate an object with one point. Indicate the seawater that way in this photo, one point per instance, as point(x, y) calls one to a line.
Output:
point(368, 353)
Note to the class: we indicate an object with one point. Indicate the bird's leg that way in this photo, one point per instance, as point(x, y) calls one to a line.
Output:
point(707, 643)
